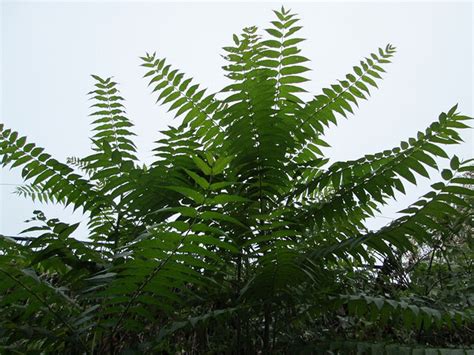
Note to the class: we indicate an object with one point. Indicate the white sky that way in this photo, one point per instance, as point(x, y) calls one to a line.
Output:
point(49, 50)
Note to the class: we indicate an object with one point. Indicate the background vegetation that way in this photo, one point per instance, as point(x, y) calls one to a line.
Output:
point(241, 236)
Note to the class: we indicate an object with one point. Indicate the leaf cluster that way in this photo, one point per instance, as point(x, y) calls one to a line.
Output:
point(241, 236)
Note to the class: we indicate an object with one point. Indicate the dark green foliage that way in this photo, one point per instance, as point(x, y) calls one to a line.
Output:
point(241, 236)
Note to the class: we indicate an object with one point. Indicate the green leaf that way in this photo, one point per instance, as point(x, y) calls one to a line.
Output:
point(189, 193)
point(221, 199)
point(454, 163)
point(202, 165)
point(198, 179)
point(434, 149)
point(211, 215)
point(221, 164)
point(446, 174)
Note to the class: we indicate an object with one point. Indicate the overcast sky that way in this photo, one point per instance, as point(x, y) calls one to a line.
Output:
point(49, 50)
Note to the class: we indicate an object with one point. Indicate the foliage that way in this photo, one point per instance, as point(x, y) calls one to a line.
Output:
point(241, 236)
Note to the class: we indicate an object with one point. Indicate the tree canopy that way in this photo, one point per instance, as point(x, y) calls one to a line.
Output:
point(241, 236)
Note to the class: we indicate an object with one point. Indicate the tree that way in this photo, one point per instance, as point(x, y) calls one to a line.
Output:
point(241, 236)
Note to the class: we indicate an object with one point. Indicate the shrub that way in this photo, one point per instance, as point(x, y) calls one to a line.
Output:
point(241, 236)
